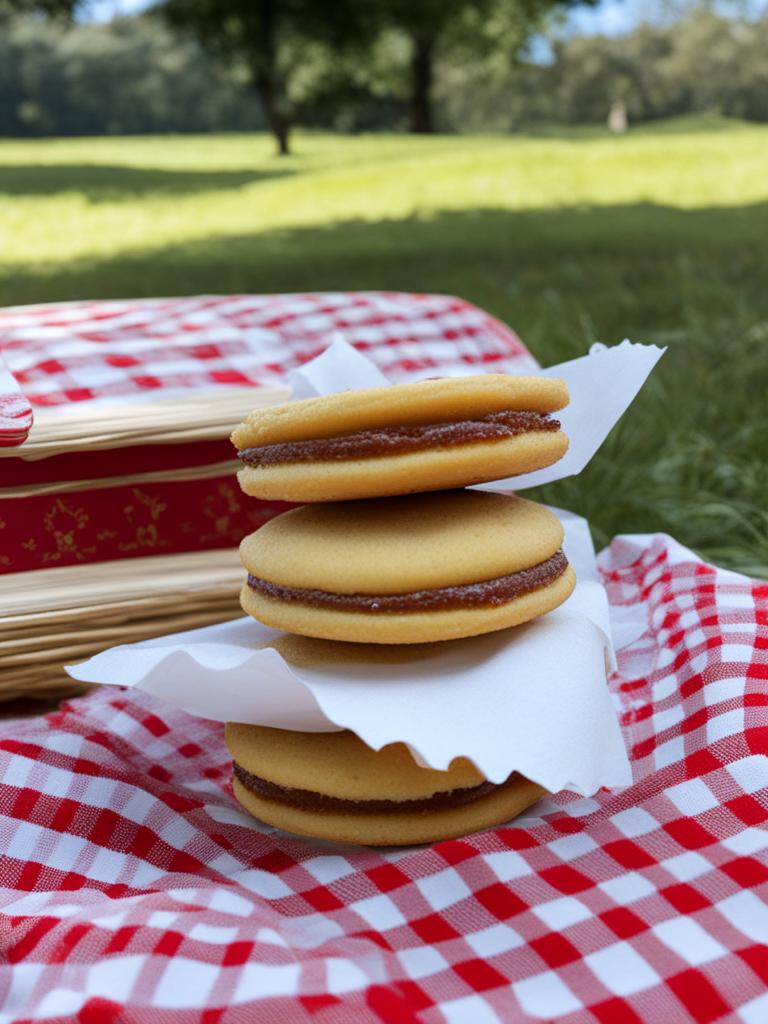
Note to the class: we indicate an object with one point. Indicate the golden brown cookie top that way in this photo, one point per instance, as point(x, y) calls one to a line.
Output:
point(446, 400)
point(398, 545)
point(339, 764)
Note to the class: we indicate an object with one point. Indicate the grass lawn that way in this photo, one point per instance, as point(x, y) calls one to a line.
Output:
point(660, 236)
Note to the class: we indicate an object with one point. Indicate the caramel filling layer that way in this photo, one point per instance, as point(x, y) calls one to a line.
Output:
point(308, 800)
point(487, 593)
point(397, 440)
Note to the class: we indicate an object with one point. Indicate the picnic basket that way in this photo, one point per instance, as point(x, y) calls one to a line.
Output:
point(120, 514)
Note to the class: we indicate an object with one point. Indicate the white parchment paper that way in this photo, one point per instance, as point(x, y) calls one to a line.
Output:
point(532, 699)
point(601, 385)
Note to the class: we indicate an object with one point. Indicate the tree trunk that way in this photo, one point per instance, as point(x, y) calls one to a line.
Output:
point(276, 122)
point(263, 61)
point(421, 84)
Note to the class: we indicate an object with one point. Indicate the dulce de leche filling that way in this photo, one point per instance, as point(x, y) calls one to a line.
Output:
point(496, 426)
point(487, 593)
point(308, 800)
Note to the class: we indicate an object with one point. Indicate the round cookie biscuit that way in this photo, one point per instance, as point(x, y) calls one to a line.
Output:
point(408, 473)
point(422, 436)
point(406, 627)
point(414, 569)
point(393, 829)
point(340, 765)
point(441, 400)
point(397, 545)
point(312, 772)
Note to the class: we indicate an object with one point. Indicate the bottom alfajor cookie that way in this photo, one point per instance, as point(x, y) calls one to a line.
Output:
point(332, 786)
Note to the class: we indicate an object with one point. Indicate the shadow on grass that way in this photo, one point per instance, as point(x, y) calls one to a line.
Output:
point(615, 269)
point(101, 182)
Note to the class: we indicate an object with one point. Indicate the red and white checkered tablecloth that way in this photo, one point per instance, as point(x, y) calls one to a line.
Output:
point(129, 349)
point(136, 891)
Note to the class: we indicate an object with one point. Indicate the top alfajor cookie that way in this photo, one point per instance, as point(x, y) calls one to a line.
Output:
point(425, 436)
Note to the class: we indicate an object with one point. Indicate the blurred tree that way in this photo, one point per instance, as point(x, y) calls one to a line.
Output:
point(137, 74)
point(655, 71)
point(269, 36)
point(736, 55)
point(30, 77)
point(128, 76)
point(463, 29)
point(50, 8)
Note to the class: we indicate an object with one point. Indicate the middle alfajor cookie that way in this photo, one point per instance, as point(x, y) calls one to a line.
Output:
point(425, 436)
point(406, 570)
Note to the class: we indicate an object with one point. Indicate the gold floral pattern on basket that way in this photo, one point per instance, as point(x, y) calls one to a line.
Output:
point(142, 516)
point(64, 523)
point(127, 521)
point(219, 510)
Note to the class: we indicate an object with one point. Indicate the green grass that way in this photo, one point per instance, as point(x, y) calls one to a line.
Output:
point(661, 236)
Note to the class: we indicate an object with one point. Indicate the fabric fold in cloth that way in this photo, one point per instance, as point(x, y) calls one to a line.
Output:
point(15, 410)
point(135, 889)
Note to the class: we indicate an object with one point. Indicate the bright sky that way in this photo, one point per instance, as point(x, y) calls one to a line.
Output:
point(609, 17)
point(612, 17)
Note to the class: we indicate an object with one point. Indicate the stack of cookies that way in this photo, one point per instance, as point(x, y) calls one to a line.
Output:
point(388, 547)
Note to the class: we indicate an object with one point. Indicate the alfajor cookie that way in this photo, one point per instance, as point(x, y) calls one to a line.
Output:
point(332, 786)
point(405, 570)
point(425, 436)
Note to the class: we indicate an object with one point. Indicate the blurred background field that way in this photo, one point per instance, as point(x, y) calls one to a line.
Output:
point(568, 232)
point(660, 236)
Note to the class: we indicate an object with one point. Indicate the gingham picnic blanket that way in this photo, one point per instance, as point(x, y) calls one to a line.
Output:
point(128, 349)
point(135, 890)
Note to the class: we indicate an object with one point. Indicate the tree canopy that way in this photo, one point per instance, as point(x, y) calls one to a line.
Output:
point(138, 74)
point(272, 38)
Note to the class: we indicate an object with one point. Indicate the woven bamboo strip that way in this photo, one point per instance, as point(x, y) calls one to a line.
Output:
point(55, 616)
point(118, 633)
point(54, 685)
point(115, 610)
point(37, 675)
point(120, 623)
point(32, 634)
point(115, 583)
point(200, 416)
